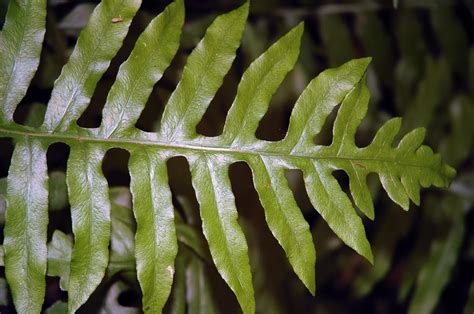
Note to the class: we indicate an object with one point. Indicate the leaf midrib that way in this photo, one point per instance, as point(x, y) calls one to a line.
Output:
point(199, 147)
point(151, 196)
point(236, 270)
point(90, 230)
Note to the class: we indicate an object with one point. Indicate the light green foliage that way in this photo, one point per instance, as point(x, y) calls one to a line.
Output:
point(97, 45)
point(155, 241)
point(90, 213)
point(20, 46)
point(402, 168)
point(26, 224)
point(141, 71)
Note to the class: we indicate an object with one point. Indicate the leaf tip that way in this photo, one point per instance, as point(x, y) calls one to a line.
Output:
point(312, 287)
point(397, 121)
point(72, 307)
point(238, 16)
point(177, 10)
point(244, 8)
point(296, 33)
point(365, 250)
point(405, 205)
point(299, 27)
point(309, 279)
point(371, 214)
point(369, 256)
point(417, 201)
point(179, 4)
point(449, 173)
point(364, 61)
point(359, 66)
point(421, 131)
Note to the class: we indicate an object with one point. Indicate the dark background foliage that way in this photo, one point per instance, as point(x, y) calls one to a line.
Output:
point(422, 69)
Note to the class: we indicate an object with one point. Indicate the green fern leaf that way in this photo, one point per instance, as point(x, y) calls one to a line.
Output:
point(90, 215)
point(402, 169)
point(97, 44)
point(20, 47)
point(26, 224)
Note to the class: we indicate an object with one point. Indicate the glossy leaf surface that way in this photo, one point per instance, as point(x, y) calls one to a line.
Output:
point(155, 241)
point(219, 218)
point(20, 47)
point(90, 214)
point(402, 169)
point(97, 45)
point(26, 225)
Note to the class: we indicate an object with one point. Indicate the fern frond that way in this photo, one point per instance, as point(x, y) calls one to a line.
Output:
point(402, 169)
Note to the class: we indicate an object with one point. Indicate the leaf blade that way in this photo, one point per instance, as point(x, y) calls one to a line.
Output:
point(350, 115)
point(155, 240)
point(211, 59)
point(20, 54)
point(335, 207)
point(219, 221)
point(97, 44)
point(26, 225)
point(285, 219)
point(328, 88)
point(91, 222)
point(259, 82)
point(151, 56)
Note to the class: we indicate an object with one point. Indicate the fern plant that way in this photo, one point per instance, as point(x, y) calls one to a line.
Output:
point(402, 169)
